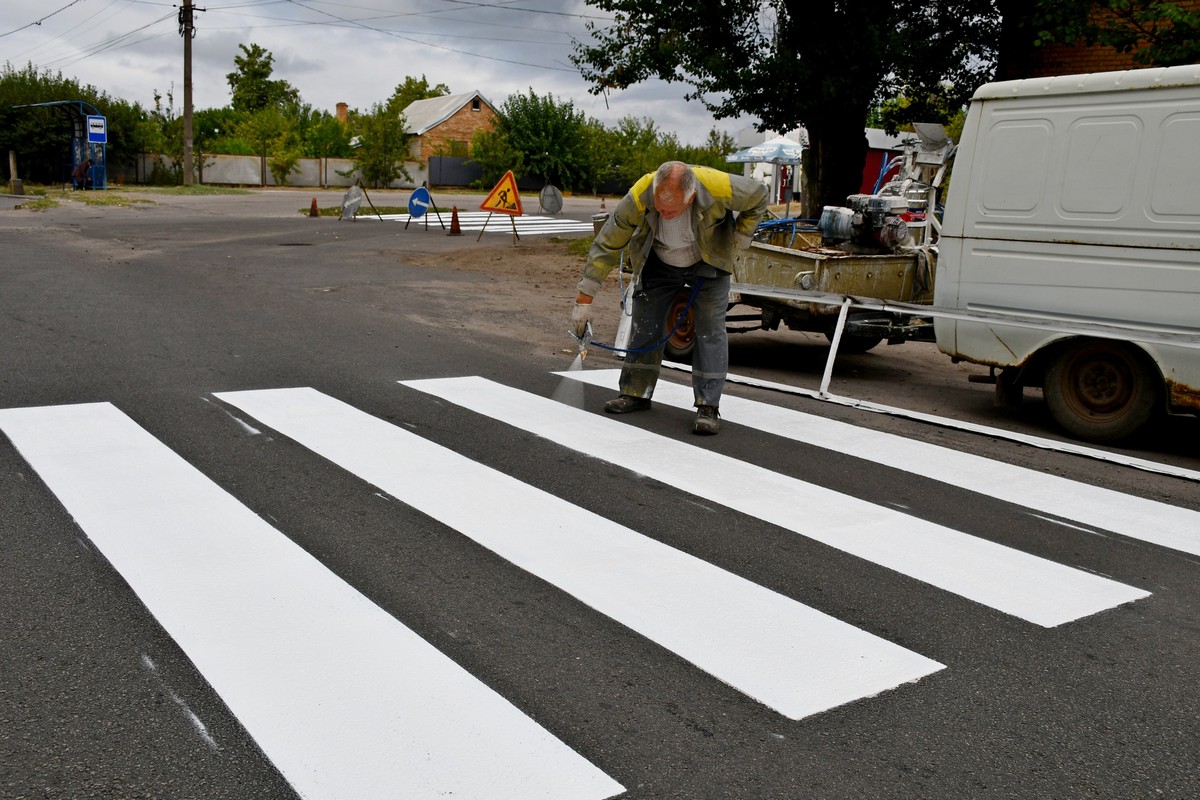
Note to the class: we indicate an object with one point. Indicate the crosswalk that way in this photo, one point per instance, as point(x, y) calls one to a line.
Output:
point(476, 221)
point(348, 701)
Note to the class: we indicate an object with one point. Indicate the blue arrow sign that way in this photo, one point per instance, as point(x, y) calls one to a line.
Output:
point(419, 203)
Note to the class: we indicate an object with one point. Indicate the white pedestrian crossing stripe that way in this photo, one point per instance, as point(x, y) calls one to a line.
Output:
point(344, 700)
point(1026, 586)
point(309, 665)
point(1149, 521)
point(475, 221)
point(784, 654)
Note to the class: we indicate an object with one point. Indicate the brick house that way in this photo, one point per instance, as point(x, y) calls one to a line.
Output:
point(1069, 59)
point(443, 126)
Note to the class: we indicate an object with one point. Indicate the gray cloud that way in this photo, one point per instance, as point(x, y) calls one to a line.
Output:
point(355, 51)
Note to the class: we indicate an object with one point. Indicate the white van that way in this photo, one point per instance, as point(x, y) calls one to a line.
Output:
point(1071, 245)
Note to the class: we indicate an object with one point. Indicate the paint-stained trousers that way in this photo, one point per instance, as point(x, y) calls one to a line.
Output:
point(649, 325)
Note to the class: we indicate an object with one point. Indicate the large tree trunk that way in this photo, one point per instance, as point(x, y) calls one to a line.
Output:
point(833, 161)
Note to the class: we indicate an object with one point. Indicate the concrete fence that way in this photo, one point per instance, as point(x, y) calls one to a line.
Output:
point(226, 170)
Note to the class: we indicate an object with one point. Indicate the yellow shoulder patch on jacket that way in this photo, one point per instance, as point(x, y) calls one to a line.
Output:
point(640, 188)
point(715, 181)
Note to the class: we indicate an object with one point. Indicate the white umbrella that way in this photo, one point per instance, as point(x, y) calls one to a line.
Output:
point(780, 150)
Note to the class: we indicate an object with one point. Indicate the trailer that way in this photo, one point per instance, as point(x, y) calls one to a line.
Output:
point(879, 247)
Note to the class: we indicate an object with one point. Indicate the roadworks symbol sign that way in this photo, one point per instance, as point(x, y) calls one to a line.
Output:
point(504, 198)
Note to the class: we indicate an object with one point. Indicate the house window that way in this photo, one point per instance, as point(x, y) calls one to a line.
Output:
point(476, 105)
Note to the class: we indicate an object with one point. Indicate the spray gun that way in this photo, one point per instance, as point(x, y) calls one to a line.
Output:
point(584, 340)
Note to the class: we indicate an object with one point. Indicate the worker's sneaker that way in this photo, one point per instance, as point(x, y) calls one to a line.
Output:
point(707, 422)
point(624, 403)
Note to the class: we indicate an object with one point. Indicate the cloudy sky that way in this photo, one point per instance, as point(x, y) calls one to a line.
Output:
point(354, 51)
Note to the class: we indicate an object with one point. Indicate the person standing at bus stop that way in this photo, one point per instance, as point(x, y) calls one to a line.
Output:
point(683, 226)
point(80, 173)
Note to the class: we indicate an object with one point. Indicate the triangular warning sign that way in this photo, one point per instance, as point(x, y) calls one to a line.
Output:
point(504, 198)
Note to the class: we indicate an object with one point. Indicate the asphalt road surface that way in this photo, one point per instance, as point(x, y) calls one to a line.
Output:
point(288, 510)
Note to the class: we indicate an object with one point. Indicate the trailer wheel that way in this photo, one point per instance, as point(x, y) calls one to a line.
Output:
point(681, 343)
point(1101, 390)
point(854, 344)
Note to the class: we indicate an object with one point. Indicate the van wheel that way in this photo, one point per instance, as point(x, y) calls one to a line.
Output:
point(1102, 391)
point(681, 343)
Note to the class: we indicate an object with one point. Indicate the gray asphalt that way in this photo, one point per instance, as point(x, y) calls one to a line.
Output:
point(154, 309)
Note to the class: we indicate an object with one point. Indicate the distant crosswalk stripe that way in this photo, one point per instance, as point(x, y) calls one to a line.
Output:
point(784, 654)
point(475, 221)
point(342, 698)
point(1017, 583)
point(1135, 517)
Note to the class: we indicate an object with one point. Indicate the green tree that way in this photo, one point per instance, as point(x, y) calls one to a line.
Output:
point(495, 155)
point(823, 64)
point(548, 134)
point(382, 145)
point(251, 83)
point(1156, 33)
point(41, 137)
point(414, 89)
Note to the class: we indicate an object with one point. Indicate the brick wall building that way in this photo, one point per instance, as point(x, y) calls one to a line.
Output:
point(1062, 59)
point(444, 125)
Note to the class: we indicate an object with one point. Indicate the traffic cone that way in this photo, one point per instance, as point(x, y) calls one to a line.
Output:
point(312, 212)
point(455, 230)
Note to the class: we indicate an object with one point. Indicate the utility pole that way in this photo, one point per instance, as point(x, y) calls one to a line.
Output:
point(187, 30)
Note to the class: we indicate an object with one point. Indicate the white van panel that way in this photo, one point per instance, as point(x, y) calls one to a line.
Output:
point(1075, 204)
point(1108, 168)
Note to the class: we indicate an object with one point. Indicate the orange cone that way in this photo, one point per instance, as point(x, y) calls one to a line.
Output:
point(312, 212)
point(455, 230)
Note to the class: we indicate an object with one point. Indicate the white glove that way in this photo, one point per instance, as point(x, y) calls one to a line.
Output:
point(580, 314)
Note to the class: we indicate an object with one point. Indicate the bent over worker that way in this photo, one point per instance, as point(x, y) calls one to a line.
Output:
point(683, 225)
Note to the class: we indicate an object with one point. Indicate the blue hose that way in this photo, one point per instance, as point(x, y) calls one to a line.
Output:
point(667, 338)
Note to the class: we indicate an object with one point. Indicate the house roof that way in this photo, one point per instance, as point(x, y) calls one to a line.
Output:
point(424, 115)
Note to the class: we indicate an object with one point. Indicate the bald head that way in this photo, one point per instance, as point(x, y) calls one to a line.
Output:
point(674, 189)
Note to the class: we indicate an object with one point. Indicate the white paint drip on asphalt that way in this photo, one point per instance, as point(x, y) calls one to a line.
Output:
point(192, 717)
point(1146, 520)
point(343, 699)
point(788, 656)
point(1017, 583)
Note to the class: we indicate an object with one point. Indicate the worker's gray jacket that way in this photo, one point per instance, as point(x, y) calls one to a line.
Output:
point(719, 233)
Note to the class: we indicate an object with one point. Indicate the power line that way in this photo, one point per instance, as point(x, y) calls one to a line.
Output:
point(43, 19)
point(386, 32)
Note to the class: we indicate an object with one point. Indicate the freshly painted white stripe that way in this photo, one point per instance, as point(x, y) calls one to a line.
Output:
point(945, 422)
point(1008, 580)
point(784, 654)
point(1135, 517)
point(342, 698)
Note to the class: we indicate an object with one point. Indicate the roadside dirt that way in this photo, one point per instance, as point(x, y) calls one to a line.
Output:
point(537, 279)
point(527, 290)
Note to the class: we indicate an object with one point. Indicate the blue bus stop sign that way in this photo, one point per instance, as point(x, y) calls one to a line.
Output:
point(419, 203)
point(97, 130)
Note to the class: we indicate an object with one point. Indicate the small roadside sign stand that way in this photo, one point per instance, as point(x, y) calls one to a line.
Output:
point(550, 200)
point(353, 199)
point(419, 203)
point(503, 199)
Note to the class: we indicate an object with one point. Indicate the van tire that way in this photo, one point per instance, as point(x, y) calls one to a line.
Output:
point(1100, 390)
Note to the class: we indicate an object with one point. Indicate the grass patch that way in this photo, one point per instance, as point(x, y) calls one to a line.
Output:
point(580, 247)
point(39, 202)
point(194, 189)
